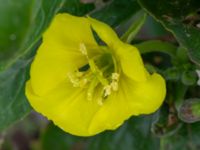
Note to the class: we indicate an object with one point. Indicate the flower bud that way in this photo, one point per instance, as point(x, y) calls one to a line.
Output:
point(190, 110)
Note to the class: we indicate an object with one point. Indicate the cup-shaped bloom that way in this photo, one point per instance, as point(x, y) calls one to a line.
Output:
point(85, 87)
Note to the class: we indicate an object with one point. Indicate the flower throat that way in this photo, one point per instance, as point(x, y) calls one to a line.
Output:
point(99, 77)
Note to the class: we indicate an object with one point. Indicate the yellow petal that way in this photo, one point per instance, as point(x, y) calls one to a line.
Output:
point(113, 113)
point(131, 62)
point(133, 98)
point(70, 31)
point(105, 32)
point(50, 68)
point(70, 110)
point(48, 104)
point(148, 95)
point(60, 51)
point(67, 107)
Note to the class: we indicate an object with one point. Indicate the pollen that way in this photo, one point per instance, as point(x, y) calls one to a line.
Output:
point(107, 90)
point(83, 49)
point(76, 80)
point(114, 83)
point(73, 80)
point(115, 76)
point(114, 86)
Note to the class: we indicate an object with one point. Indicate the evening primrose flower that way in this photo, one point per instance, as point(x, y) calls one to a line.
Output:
point(85, 87)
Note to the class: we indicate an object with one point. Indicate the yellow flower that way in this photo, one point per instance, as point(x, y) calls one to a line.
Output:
point(85, 87)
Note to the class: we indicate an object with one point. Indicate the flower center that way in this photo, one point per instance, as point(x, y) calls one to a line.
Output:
point(100, 76)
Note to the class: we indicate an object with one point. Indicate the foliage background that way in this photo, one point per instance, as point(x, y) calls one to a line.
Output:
point(167, 33)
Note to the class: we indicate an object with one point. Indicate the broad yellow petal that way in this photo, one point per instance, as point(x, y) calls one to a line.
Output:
point(148, 95)
point(48, 104)
point(131, 62)
point(51, 66)
point(67, 107)
point(60, 51)
point(133, 98)
point(113, 113)
point(70, 31)
point(70, 110)
point(105, 32)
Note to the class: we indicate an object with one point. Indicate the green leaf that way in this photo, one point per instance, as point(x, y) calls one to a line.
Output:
point(14, 18)
point(157, 46)
point(133, 135)
point(154, 30)
point(13, 103)
point(181, 18)
point(77, 8)
point(56, 139)
point(129, 35)
point(22, 25)
point(116, 12)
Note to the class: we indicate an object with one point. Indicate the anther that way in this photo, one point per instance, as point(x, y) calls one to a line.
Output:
point(114, 85)
point(83, 49)
point(107, 90)
point(73, 79)
point(115, 76)
point(76, 80)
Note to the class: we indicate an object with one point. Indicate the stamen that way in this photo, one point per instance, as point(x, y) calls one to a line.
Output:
point(83, 49)
point(91, 89)
point(114, 85)
point(107, 91)
point(115, 76)
point(98, 73)
point(73, 79)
